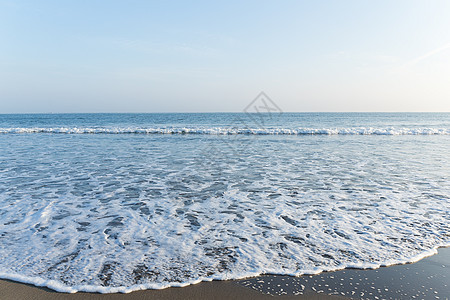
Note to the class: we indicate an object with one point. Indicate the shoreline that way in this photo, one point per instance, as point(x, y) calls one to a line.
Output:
point(424, 278)
point(218, 290)
point(57, 287)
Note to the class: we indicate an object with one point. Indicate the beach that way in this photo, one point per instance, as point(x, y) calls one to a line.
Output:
point(426, 279)
point(224, 150)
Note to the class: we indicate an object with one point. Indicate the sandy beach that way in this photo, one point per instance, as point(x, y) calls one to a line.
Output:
point(205, 290)
point(181, 150)
point(426, 279)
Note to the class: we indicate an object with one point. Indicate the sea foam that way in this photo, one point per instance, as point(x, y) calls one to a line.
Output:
point(117, 213)
point(231, 130)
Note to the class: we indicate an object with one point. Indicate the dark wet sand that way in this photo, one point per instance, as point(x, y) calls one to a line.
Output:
point(216, 290)
point(426, 279)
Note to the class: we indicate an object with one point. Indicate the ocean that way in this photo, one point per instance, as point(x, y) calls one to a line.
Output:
point(122, 202)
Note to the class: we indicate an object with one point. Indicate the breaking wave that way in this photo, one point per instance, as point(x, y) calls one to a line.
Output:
point(230, 131)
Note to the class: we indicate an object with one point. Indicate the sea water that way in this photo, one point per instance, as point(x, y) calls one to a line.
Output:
point(122, 202)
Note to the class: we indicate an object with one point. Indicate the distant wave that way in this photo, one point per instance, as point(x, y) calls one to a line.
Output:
point(230, 131)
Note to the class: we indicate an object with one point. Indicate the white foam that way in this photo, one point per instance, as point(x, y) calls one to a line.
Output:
point(57, 286)
point(230, 130)
point(100, 215)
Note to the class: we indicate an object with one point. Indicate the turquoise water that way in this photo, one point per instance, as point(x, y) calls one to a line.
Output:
point(206, 121)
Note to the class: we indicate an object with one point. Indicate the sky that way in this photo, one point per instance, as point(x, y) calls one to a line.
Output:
point(68, 56)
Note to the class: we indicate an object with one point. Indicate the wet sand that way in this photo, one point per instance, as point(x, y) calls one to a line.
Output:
point(426, 279)
point(217, 290)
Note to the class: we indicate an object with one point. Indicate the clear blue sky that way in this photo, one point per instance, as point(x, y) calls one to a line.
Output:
point(164, 56)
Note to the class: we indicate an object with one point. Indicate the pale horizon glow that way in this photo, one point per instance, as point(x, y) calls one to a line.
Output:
point(149, 56)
